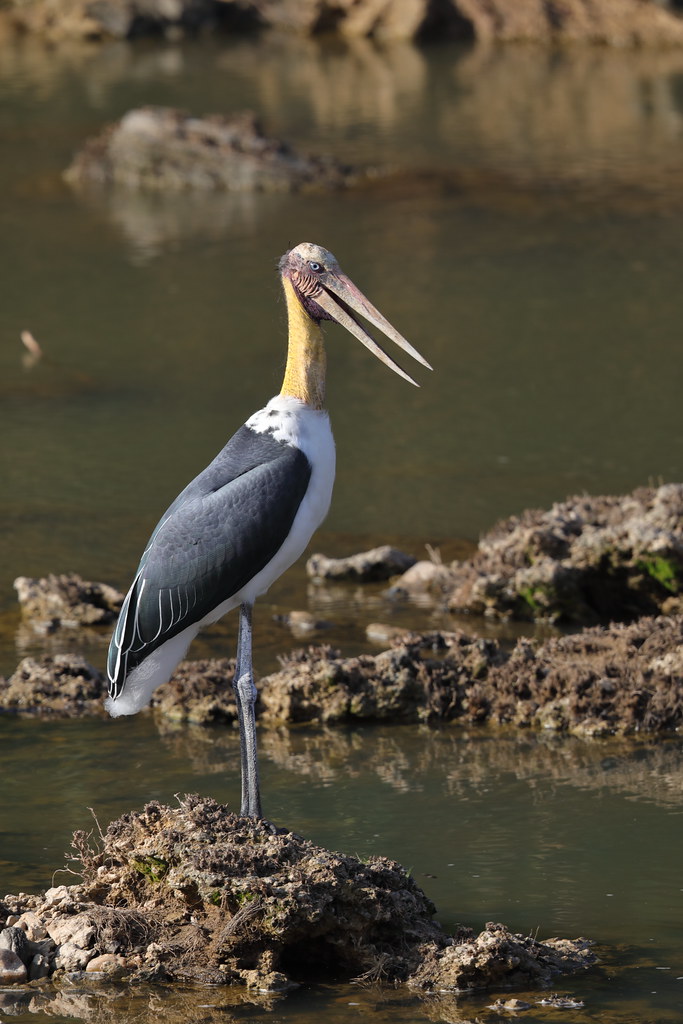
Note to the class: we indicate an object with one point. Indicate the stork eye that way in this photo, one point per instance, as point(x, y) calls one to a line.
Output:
point(315, 267)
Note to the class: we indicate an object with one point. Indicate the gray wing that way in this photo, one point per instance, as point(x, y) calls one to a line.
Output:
point(218, 533)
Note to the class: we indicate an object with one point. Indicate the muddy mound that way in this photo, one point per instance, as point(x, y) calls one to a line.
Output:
point(62, 684)
point(163, 149)
point(194, 893)
point(606, 680)
point(585, 560)
point(66, 601)
point(398, 685)
point(199, 691)
point(620, 680)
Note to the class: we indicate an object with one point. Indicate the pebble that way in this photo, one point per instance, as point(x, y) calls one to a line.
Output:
point(39, 967)
point(57, 895)
point(71, 957)
point(107, 963)
point(76, 929)
point(14, 939)
point(32, 925)
point(12, 970)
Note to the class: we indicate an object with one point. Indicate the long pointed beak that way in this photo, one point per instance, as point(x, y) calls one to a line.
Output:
point(353, 300)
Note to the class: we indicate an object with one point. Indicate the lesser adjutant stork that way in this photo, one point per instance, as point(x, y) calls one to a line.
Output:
point(249, 515)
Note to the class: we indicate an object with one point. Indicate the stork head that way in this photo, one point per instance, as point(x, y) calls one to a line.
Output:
point(326, 293)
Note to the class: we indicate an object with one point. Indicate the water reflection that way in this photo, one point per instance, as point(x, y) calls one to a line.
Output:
point(408, 760)
point(577, 113)
point(602, 124)
point(109, 1004)
point(152, 223)
point(105, 1004)
point(478, 123)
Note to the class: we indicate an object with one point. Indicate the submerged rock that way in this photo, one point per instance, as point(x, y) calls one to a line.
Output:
point(378, 564)
point(585, 560)
point(196, 894)
point(163, 149)
point(66, 601)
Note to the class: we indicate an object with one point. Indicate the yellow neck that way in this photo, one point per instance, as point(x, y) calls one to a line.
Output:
point(305, 369)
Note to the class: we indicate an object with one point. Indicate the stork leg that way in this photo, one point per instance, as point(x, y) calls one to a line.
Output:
point(245, 698)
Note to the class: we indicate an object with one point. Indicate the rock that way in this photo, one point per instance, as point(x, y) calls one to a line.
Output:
point(77, 929)
point(32, 925)
point(56, 896)
point(621, 679)
point(509, 1005)
point(498, 957)
point(602, 681)
point(378, 564)
point(585, 560)
point(159, 148)
point(12, 969)
point(128, 19)
point(39, 967)
point(60, 684)
point(196, 894)
point(70, 957)
point(14, 938)
point(66, 602)
point(110, 964)
point(302, 623)
point(425, 577)
point(629, 23)
point(397, 685)
point(384, 20)
point(199, 692)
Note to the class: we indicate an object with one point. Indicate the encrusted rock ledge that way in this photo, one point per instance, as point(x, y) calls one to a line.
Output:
point(196, 894)
point(603, 681)
point(583, 561)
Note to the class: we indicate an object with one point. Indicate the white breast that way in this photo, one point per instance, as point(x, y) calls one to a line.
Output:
point(310, 431)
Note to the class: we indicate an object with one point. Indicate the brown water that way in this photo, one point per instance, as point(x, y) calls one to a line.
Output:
point(530, 245)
